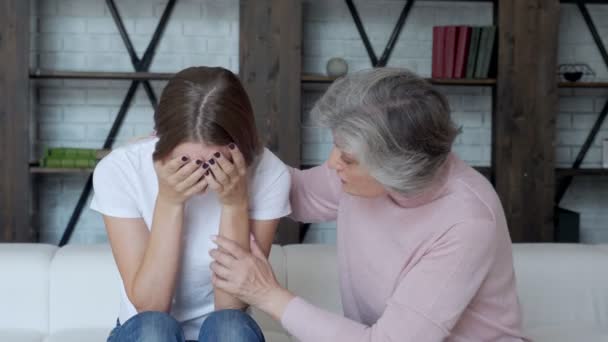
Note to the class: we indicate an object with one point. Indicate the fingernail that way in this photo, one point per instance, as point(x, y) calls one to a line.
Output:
point(205, 166)
point(199, 162)
point(212, 161)
point(231, 146)
point(184, 158)
point(216, 154)
point(207, 173)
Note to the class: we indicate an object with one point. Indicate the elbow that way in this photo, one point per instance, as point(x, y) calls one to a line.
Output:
point(148, 303)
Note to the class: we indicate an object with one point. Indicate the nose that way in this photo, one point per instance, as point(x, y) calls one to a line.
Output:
point(334, 160)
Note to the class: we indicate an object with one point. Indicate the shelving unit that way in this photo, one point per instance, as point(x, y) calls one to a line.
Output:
point(270, 70)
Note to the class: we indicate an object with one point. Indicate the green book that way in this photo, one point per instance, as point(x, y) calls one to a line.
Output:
point(67, 163)
point(473, 51)
point(491, 39)
point(486, 44)
point(483, 41)
point(71, 153)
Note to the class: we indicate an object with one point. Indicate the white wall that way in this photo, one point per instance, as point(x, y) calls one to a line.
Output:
point(80, 35)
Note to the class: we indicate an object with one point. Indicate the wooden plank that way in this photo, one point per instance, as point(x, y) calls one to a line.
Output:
point(583, 84)
point(312, 78)
point(49, 170)
point(15, 223)
point(270, 64)
point(581, 172)
point(523, 121)
point(92, 75)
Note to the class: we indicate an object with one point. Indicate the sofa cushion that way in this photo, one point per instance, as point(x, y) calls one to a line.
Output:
point(313, 275)
point(561, 284)
point(569, 333)
point(24, 294)
point(273, 336)
point(80, 335)
point(20, 335)
point(84, 288)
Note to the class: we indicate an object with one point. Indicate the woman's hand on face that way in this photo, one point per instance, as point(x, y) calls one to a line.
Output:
point(228, 179)
point(179, 179)
point(247, 276)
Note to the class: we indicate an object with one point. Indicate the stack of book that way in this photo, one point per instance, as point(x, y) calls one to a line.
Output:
point(463, 51)
point(64, 157)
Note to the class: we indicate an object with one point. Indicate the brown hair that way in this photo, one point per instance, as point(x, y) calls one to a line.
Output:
point(208, 105)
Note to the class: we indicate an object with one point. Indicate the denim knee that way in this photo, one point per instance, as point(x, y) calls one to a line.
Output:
point(150, 326)
point(230, 326)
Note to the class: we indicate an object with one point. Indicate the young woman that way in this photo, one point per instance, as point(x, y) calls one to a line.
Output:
point(204, 173)
point(423, 245)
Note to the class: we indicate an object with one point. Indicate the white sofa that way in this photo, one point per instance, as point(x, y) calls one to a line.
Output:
point(71, 294)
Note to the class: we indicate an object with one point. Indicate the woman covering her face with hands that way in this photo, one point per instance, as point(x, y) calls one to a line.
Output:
point(423, 246)
point(204, 174)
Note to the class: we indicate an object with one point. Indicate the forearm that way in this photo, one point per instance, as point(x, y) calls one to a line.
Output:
point(154, 282)
point(234, 225)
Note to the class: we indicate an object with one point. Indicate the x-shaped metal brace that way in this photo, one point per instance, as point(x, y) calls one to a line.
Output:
point(140, 65)
point(565, 183)
point(390, 45)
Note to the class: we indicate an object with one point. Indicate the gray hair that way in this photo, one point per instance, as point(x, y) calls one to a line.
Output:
point(395, 123)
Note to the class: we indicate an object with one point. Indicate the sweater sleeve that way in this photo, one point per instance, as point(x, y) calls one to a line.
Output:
point(426, 303)
point(315, 194)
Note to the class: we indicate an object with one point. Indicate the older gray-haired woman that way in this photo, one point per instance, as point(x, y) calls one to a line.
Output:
point(423, 244)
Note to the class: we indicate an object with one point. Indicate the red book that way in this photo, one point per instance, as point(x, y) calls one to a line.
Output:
point(462, 51)
point(449, 50)
point(438, 44)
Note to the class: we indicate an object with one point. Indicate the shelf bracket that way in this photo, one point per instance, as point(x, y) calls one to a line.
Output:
point(392, 40)
point(140, 65)
point(565, 183)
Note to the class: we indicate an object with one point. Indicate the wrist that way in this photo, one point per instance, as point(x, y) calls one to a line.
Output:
point(275, 302)
point(168, 202)
point(236, 207)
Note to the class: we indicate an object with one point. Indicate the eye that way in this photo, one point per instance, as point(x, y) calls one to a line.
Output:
point(347, 160)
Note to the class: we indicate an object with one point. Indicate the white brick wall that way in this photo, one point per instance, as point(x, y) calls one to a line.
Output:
point(80, 35)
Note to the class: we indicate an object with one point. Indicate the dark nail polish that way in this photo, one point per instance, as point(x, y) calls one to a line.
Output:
point(184, 158)
point(199, 162)
point(216, 154)
point(212, 161)
point(207, 173)
point(232, 146)
point(205, 166)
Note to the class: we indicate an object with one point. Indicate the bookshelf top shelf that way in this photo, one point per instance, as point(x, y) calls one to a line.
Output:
point(322, 79)
point(583, 84)
point(94, 75)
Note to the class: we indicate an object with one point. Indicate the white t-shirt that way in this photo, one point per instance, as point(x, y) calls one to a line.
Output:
point(126, 186)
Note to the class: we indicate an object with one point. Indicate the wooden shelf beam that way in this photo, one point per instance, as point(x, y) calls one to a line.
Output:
point(94, 75)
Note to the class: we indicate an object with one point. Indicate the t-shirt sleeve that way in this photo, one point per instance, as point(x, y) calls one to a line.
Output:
point(315, 194)
point(270, 194)
point(113, 186)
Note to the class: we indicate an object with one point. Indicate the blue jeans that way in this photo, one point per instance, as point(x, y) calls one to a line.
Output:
point(220, 326)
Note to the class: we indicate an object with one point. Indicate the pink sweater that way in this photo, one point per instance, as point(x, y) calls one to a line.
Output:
point(434, 267)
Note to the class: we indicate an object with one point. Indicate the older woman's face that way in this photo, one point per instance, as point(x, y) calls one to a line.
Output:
point(356, 180)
